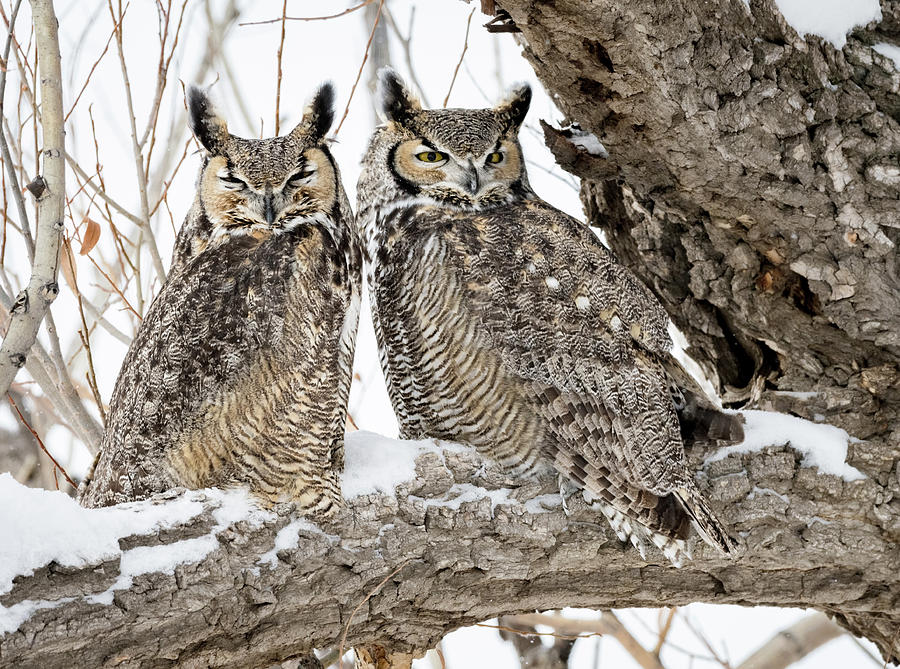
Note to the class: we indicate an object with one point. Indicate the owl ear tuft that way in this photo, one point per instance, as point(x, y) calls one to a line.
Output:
point(318, 115)
point(208, 127)
point(512, 110)
point(395, 101)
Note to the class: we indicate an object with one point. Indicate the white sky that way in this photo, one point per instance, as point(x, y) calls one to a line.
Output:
point(313, 52)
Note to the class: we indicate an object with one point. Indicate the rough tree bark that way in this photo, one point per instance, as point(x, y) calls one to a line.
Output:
point(753, 181)
point(811, 541)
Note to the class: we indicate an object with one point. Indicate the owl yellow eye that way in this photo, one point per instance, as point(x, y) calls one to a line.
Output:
point(495, 157)
point(431, 156)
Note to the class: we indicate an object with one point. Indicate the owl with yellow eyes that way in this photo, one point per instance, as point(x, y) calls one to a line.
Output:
point(240, 371)
point(505, 324)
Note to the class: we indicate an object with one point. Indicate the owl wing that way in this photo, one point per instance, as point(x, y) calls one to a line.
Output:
point(563, 314)
point(202, 331)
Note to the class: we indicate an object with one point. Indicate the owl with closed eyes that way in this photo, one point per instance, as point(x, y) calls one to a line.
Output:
point(240, 371)
point(505, 324)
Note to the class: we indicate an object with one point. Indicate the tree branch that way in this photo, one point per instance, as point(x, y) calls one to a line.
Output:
point(33, 302)
point(793, 643)
point(277, 587)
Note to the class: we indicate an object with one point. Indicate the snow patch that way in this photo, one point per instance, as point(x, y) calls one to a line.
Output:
point(376, 464)
point(589, 142)
point(466, 492)
point(768, 491)
point(892, 51)
point(288, 538)
point(11, 618)
point(461, 493)
point(831, 19)
point(38, 527)
point(815, 519)
point(797, 395)
point(544, 503)
point(164, 558)
point(823, 446)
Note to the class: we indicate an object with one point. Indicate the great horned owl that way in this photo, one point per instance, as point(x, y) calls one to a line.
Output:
point(240, 371)
point(506, 324)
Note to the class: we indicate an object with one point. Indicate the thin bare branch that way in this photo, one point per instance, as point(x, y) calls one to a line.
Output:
point(44, 372)
point(115, 288)
point(278, 59)
point(97, 315)
point(24, 225)
point(664, 628)
point(310, 18)
point(363, 601)
point(101, 192)
point(702, 637)
point(461, 56)
point(140, 174)
point(793, 643)
point(608, 624)
point(39, 440)
point(406, 43)
point(87, 424)
point(85, 336)
point(361, 66)
point(96, 63)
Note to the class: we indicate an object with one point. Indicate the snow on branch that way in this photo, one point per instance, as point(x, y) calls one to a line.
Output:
point(225, 582)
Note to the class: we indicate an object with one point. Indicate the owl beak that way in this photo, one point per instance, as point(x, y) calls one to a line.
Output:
point(471, 178)
point(269, 208)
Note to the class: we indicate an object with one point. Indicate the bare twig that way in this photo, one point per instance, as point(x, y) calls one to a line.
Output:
point(461, 56)
point(363, 601)
point(25, 227)
point(168, 183)
point(45, 374)
point(115, 287)
point(39, 441)
point(33, 302)
point(406, 43)
point(137, 154)
point(664, 629)
point(793, 643)
point(278, 58)
point(96, 63)
point(101, 192)
point(85, 336)
point(162, 74)
point(702, 637)
point(310, 18)
point(531, 649)
point(361, 66)
point(88, 426)
point(97, 315)
point(608, 624)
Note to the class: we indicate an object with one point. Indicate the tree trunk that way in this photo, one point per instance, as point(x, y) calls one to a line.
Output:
point(753, 182)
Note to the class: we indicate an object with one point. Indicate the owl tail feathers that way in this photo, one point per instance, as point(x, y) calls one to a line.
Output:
point(639, 535)
point(705, 520)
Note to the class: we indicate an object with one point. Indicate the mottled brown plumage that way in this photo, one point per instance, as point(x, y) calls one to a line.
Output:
point(506, 324)
point(240, 371)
